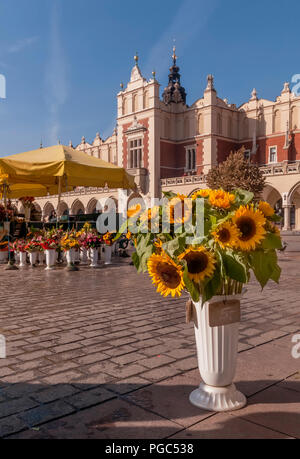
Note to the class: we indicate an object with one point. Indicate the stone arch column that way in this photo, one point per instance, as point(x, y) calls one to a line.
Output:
point(47, 209)
point(77, 207)
point(294, 203)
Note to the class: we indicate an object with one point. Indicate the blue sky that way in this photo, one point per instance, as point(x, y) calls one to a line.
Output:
point(63, 60)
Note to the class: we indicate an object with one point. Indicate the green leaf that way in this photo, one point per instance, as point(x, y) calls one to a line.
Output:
point(169, 194)
point(275, 218)
point(212, 285)
point(144, 250)
point(136, 260)
point(235, 268)
point(176, 245)
point(143, 267)
point(276, 274)
point(272, 241)
point(243, 196)
point(264, 265)
point(121, 230)
point(191, 286)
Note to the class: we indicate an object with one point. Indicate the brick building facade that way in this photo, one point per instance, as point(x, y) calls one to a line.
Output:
point(167, 144)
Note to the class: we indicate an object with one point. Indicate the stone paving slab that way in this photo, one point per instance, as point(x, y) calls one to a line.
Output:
point(84, 343)
point(225, 426)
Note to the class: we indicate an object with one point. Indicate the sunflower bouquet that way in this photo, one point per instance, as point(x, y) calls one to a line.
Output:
point(238, 235)
point(109, 238)
point(70, 240)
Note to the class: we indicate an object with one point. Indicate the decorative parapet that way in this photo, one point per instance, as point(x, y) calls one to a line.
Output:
point(80, 191)
point(283, 168)
point(186, 180)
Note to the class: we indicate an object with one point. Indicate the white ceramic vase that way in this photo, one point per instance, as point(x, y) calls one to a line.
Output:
point(83, 256)
point(107, 254)
point(217, 348)
point(94, 258)
point(76, 255)
point(33, 258)
point(71, 256)
point(22, 256)
point(41, 258)
point(50, 259)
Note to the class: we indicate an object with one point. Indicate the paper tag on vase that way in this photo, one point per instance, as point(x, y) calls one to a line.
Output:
point(224, 313)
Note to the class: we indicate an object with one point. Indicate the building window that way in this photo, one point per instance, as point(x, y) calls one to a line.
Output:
point(135, 154)
point(190, 160)
point(273, 155)
point(247, 155)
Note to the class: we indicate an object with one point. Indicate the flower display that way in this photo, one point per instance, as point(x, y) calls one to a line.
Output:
point(70, 240)
point(27, 200)
point(238, 236)
point(91, 240)
point(33, 245)
point(19, 245)
point(108, 238)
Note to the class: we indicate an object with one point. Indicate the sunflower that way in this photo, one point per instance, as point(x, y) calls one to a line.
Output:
point(150, 215)
point(158, 246)
point(266, 209)
point(200, 263)
point(226, 235)
point(221, 199)
point(166, 275)
point(134, 210)
point(250, 223)
point(179, 209)
point(201, 193)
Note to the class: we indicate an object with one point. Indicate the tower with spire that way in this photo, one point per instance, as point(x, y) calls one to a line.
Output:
point(174, 92)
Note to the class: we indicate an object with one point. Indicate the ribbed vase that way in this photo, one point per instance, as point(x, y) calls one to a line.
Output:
point(50, 259)
point(22, 259)
point(33, 258)
point(107, 254)
point(217, 349)
point(94, 257)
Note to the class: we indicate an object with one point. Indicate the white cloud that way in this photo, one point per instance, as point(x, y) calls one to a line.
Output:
point(20, 45)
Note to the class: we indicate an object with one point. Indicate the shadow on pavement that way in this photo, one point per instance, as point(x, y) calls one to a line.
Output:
point(161, 410)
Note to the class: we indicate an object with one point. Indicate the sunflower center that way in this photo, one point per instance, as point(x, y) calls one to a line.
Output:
point(224, 235)
point(247, 227)
point(169, 275)
point(197, 262)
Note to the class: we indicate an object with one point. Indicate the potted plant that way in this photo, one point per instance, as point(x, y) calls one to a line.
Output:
point(108, 240)
point(19, 247)
point(92, 242)
point(50, 245)
point(69, 243)
point(33, 247)
point(239, 237)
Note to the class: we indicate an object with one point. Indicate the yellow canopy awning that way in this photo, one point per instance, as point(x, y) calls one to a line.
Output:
point(46, 165)
point(18, 190)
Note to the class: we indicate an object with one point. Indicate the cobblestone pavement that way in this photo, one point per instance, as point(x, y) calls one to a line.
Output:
point(99, 354)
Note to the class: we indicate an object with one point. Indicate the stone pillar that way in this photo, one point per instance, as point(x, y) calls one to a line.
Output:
point(287, 218)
